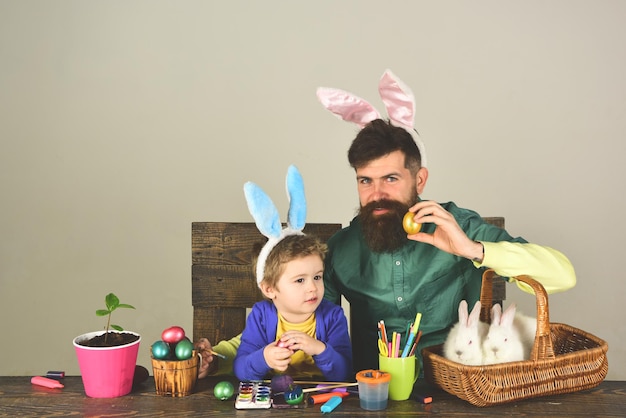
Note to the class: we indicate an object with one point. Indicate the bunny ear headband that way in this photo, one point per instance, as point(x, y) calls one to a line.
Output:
point(397, 97)
point(266, 215)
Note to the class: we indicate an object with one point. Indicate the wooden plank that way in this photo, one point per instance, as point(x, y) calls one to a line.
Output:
point(499, 286)
point(499, 291)
point(224, 286)
point(237, 243)
point(224, 243)
point(217, 324)
point(22, 399)
point(495, 220)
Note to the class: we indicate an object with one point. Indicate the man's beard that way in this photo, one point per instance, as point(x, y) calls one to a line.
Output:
point(384, 233)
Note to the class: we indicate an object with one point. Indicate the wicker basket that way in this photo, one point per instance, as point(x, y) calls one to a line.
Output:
point(563, 360)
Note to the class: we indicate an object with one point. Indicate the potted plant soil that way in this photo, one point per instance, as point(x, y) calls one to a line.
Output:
point(107, 358)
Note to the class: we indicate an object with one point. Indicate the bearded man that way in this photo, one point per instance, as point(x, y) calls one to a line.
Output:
point(388, 275)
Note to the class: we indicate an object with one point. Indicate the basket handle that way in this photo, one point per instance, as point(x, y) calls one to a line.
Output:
point(542, 348)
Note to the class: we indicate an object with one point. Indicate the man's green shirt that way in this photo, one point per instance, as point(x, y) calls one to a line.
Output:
point(395, 286)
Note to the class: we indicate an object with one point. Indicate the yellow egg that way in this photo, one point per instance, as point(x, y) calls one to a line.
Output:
point(410, 226)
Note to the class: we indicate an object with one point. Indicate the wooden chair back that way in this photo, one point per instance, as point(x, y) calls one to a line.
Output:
point(222, 274)
point(222, 277)
point(499, 286)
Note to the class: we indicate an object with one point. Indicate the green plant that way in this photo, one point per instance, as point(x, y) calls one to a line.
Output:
point(112, 303)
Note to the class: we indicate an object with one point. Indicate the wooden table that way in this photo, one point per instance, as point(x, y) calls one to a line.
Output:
point(18, 398)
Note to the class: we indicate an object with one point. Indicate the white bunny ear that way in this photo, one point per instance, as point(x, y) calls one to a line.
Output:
point(496, 313)
point(262, 210)
point(398, 99)
point(474, 316)
point(347, 106)
point(296, 217)
point(463, 315)
point(508, 315)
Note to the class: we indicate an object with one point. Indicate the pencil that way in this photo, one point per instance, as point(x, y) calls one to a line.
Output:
point(417, 340)
point(416, 324)
point(409, 326)
point(383, 331)
point(397, 352)
point(407, 346)
point(412, 335)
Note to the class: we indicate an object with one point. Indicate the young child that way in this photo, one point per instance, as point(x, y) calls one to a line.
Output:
point(295, 331)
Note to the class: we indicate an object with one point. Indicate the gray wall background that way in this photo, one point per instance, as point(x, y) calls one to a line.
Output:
point(123, 122)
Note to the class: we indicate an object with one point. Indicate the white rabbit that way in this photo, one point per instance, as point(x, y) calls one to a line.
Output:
point(510, 337)
point(464, 342)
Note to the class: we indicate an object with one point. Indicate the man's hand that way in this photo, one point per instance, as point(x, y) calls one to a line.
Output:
point(448, 235)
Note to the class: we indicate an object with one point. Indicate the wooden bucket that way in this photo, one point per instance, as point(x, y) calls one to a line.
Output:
point(175, 377)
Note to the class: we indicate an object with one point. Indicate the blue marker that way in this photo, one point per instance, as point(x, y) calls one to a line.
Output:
point(331, 404)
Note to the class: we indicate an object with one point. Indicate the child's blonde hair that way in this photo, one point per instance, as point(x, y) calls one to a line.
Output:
point(288, 249)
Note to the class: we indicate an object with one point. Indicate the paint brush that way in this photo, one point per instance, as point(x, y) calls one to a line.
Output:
point(321, 388)
point(215, 353)
point(317, 389)
point(312, 382)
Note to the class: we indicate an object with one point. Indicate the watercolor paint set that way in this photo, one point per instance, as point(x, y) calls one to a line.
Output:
point(253, 395)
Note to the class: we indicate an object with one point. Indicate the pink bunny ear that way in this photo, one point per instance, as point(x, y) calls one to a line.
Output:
point(398, 99)
point(400, 104)
point(347, 106)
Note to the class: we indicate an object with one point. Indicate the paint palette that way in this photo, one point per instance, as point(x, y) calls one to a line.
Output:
point(253, 395)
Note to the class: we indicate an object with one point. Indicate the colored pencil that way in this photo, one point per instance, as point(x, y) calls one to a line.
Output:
point(416, 324)
point(407, 346)
point(397, 352)
point(412, 334)
point(417, 340)
point(383, 330)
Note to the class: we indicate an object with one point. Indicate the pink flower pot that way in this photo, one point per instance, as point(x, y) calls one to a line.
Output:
point(107, 372)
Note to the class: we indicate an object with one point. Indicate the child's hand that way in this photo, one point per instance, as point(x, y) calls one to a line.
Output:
point(296, 340)
point(209, 362)
point(276, 357)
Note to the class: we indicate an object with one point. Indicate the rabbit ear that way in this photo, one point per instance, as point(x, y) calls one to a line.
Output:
point(296, 217)
point(262, 210)
point(267, 218)
point(496, 312)
point(508, 315)
point(400, 104)
point(474, 316)
point(347, 106)
point(463, 316)
point(398, 99)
